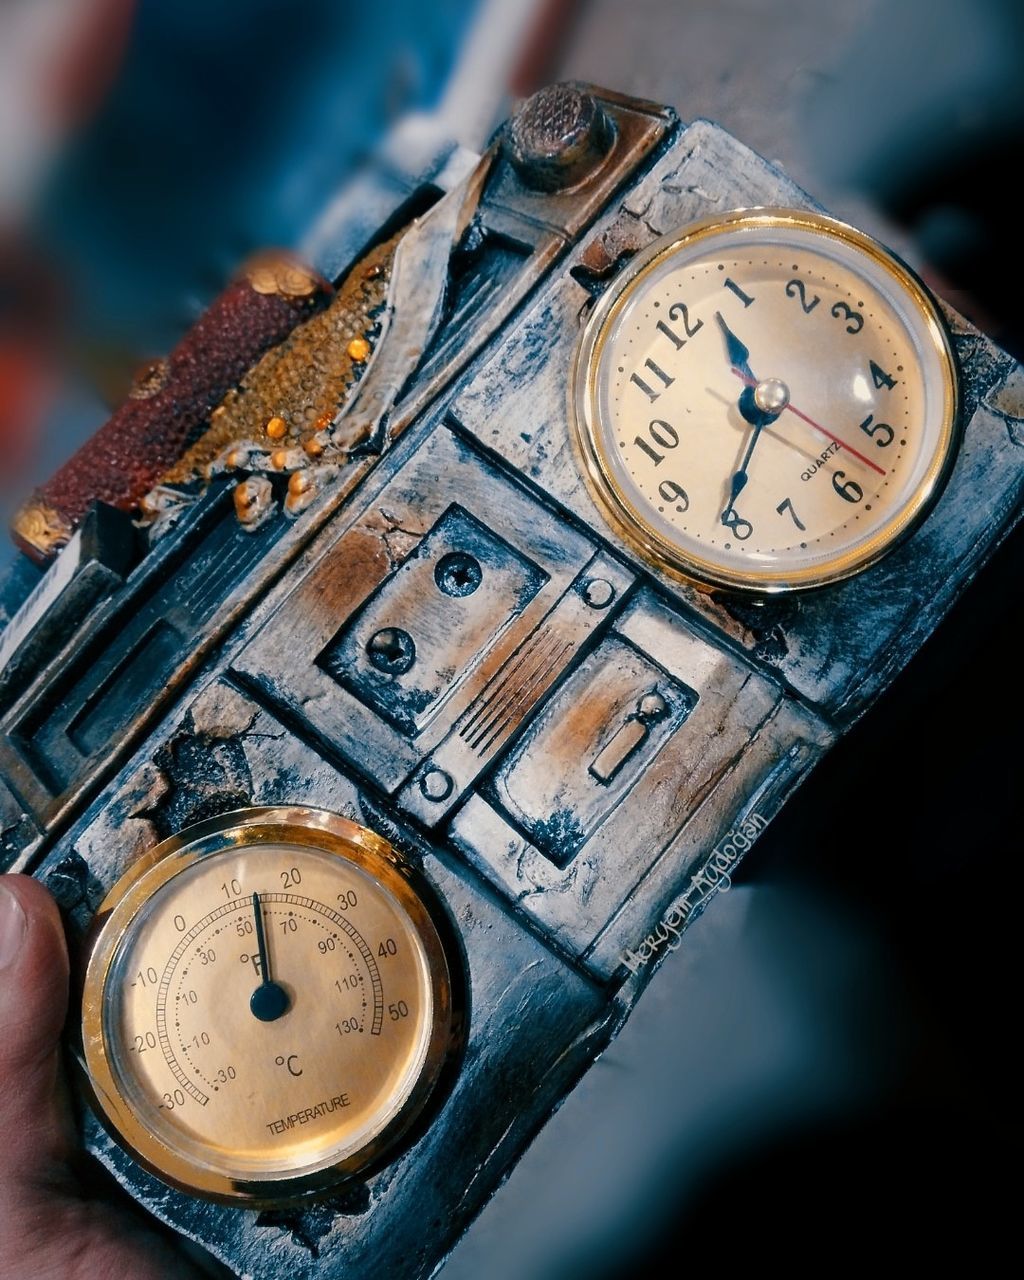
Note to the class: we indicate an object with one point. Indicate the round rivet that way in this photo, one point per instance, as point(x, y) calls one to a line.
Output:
point(598, 593)
point(458, 574)
point(436, 785)
point(652, 706)
point(556, 137)
point(391, 650)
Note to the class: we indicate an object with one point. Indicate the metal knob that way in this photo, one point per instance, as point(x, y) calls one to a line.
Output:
point(557, 137)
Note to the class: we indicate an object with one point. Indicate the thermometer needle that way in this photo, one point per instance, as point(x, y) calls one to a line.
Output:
point(269, 1001)
point(818, 427)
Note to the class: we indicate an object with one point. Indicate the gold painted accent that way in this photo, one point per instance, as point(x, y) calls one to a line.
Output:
point(150, 379)
point(277, 428)
point(254, 501)
point(303, 487)
point(290, 459)
point(358, 349)
point(280, 274)
point(41, 530)
point(238, 1147)
point(631, 524)
point(263, 281)
point(307, 377)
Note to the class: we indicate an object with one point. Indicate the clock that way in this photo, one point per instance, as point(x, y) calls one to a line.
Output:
point(765, 401)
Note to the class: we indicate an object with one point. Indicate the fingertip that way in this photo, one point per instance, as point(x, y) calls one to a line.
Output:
point(35, 900)
point(30, 925)
point(33, 970)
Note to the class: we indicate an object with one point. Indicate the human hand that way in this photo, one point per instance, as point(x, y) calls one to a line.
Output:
point(50, 1225)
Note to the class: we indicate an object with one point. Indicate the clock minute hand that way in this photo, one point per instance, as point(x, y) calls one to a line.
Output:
point(740, 477)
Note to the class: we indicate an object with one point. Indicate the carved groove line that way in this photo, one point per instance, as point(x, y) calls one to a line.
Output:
point(495, 712)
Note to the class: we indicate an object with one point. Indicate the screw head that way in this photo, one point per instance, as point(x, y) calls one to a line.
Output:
point(391, 650)
point(436, 785)
point(557, 137)
point(598, 593)
point(458, 574)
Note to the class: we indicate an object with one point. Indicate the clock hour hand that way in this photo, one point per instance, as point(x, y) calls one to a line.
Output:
point(739, 359)
point(739, 356)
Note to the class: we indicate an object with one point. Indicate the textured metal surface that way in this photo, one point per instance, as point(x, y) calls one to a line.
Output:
point(93, 565)
point(467, 660)
point(194, 587)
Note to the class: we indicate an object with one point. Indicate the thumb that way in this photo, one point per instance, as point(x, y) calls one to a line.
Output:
point(33, 1004)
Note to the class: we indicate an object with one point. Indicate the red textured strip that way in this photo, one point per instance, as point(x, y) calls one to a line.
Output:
point(168, 410)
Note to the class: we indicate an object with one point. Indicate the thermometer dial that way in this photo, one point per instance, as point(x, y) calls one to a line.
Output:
point(268, 1005)
point(765, 401)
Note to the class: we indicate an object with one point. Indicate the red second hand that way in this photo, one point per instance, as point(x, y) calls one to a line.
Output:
point(751, 382)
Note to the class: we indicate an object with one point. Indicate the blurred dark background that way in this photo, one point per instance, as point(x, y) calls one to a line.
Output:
point(824, 1072)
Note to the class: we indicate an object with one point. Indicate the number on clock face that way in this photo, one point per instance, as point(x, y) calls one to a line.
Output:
point(766, 400)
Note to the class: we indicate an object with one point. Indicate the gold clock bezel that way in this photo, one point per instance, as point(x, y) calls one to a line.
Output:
point(629, 522)
point(316, 829)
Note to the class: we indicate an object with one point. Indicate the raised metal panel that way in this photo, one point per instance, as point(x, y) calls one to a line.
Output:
point(585, 753)
point(512, 687)
point(569, 850)
point(462, 586)
point(384, 572)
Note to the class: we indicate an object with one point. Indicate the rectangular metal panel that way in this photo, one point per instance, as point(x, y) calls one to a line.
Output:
point(389, 571)
point(569, 849)
point(463, 585)
point(584, 754)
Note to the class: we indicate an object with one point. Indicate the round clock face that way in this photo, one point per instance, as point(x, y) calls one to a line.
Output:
point(765, 401)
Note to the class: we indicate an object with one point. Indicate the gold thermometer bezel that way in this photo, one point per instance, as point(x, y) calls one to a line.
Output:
point(629, 522)
point(311, 828)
